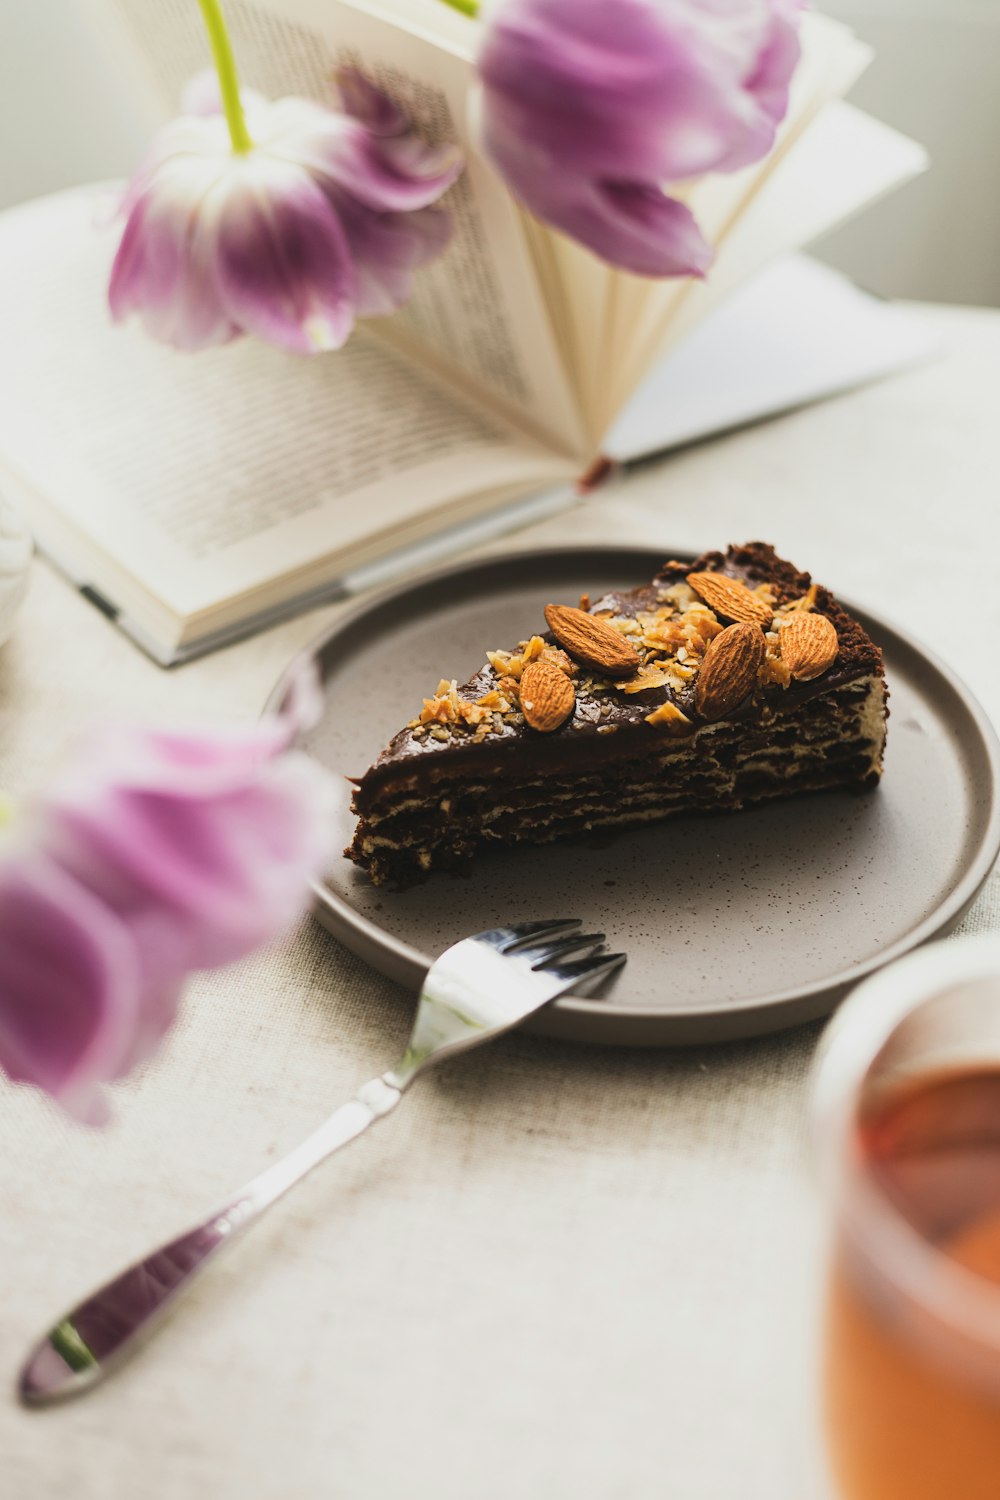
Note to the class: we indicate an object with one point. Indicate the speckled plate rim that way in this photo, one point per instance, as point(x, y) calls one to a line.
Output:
point(575, 1018)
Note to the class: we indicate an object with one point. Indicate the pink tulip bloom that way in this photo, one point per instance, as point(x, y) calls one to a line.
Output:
point(322, 220)
point(590, 106)
point(154, 854)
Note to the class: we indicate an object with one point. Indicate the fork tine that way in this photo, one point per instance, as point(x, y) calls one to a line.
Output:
point(575, 971)
point(542, 953)
point(506, 938)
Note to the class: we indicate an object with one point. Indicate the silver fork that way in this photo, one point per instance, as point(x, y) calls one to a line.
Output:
point(477, 989)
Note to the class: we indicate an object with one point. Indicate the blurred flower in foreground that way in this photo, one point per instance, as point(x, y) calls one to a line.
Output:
point(154, 854)
point(287, 220)
point(589, 108)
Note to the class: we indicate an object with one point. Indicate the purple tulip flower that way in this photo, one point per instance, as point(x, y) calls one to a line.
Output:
point(323, 219)
point(590, 106)
point(154, 854)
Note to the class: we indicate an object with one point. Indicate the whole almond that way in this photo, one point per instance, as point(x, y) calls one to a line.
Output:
point(731, 599)
point(729, 670)
point(547, 696)
point(808, 645)
point(592, 641)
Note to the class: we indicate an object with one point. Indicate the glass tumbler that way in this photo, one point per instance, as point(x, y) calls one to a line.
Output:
point(906, 1120)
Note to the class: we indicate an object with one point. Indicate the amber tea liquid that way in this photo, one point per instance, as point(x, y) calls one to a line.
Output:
point(909, 1420)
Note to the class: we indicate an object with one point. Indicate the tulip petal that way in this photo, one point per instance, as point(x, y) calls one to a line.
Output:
point(633, 225)
point(581, 80)
point(367, 104)
point(300, 709)
point(282, 264)
point(388, 173)
point(396, 174)
point(288, 240)
point(160, 271)
point(387, 249)
point(153, 854)
point(640, 228)
point(203, 96)
point(589, 108)
point(191, 152)
point(203, 843)
point(68, 980)
point(769, 85)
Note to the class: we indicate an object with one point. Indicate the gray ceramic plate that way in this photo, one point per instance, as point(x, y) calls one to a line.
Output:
point(733, 925)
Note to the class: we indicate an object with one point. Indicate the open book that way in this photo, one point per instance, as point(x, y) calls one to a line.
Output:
point(197, 497)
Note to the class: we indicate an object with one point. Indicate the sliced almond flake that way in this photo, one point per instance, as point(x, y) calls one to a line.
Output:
point(670, 633)
point(436, 711)
point(798, 606)
point(655, 674)
point(704, 621)
point(555, 657)
point(668, 716)
point(494, 699)
point(775, 671)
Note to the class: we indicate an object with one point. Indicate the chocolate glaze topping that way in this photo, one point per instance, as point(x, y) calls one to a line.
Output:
point(608, 725)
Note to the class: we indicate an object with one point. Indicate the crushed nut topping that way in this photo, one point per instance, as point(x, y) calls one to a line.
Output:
point(510, 664)
point(447, 708)
point(659, 674)
point(495, 699)
point(670, 637)
point(774, 671)
point(681, 595)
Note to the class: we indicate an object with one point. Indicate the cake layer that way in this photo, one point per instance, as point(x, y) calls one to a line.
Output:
point(833, 742)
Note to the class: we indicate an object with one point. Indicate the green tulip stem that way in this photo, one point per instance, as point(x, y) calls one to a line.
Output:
point(225, 67)
point(464, 7)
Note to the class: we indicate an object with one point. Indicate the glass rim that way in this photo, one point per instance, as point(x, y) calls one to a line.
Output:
point(958, 1298)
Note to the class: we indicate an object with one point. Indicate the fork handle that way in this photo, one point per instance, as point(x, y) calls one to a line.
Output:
point(92, 1339)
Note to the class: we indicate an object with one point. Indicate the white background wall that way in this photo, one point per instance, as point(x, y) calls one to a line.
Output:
point(936, 76)
point(65, 117)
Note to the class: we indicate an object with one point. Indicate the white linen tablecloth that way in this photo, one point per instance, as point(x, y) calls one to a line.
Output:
point(558, 1270)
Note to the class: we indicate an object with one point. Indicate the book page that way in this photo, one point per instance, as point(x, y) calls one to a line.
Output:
point(477, 315)
point(615, 321)
point(206, 476)
point(844, 162)
point(584, 307)
point(832, 60)
point(796, 332)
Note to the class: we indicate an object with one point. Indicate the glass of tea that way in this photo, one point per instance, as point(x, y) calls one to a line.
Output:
point(906, 1116)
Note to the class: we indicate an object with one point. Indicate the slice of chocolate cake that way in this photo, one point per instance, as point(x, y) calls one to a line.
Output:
point(724, 682)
